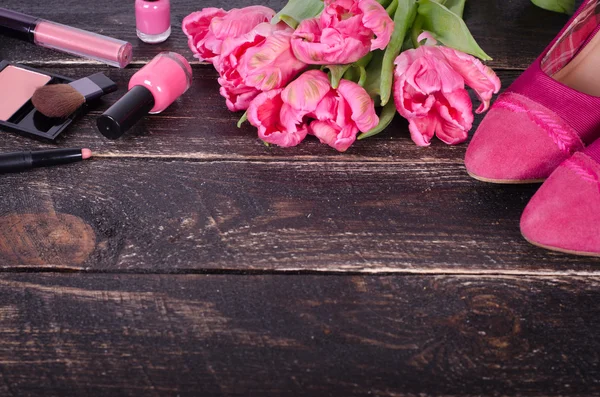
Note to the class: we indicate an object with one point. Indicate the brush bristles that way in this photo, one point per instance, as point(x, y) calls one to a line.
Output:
point(57, 100)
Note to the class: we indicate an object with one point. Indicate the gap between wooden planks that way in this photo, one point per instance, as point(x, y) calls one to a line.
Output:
point(330, 271)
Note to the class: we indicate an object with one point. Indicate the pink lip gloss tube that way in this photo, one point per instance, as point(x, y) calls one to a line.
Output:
point(153, 20)
point(67, 39)
point(151, 90)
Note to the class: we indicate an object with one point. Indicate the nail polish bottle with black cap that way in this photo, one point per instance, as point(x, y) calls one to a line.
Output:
point(151, 90)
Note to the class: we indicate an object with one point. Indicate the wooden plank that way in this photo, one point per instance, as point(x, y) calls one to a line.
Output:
point(173, 216)
point(512, 32)
point(200, 127)
point(82, 335)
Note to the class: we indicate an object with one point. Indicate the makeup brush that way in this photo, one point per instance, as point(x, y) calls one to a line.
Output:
point(62, 100)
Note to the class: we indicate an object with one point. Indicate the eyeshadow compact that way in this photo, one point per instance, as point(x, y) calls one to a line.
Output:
point(18, 84)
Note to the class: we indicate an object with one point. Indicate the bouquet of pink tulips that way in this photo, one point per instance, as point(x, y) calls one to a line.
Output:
point(341, 69)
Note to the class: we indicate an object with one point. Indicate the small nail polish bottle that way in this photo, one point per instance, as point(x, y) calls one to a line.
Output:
point(151, 90)
point(153, 20)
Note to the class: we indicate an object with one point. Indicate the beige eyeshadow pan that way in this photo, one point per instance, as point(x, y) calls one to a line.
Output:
point(17, 87)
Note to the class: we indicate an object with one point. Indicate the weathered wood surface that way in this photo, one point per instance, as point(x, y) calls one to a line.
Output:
point(168, 216)
point(208, 335)
point(187, 190)
point(512, 32)
point(482, 312)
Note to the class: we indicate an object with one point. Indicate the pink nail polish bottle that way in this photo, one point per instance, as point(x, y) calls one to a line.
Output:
point(151, 90)
point(153, 20)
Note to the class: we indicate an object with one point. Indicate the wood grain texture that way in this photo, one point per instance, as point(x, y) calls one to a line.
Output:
point(188, 191)
point(172, 216)
point(40, 238)
point(481, 312)
point(88, 335)
point(511, 32)
point(200, 128)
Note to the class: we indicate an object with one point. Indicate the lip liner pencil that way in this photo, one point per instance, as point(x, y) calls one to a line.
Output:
point(20, 161)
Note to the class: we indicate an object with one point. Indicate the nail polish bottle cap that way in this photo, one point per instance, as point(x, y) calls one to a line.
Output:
point(125, 112)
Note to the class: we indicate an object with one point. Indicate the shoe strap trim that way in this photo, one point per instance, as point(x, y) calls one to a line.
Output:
point(563, 136)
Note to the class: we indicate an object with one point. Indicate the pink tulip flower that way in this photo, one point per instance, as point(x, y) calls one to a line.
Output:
point(282, 116)
point(271, 64)
point(260, 60)
point(277, 122)
point(429, 91)
point(346, 31)
point(206, 29)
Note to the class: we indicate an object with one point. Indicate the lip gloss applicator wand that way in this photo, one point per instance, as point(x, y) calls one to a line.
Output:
point(20, 161)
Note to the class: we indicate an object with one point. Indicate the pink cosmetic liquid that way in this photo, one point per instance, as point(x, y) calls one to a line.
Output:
point(167, 77)
point(153, 20)
point(151, 90)
point(80, 42)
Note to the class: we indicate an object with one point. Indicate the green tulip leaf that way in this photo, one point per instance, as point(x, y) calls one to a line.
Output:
point(448, 28)
point(296, 11)
point(456, 6)
point(564, 6)
point(385, 118)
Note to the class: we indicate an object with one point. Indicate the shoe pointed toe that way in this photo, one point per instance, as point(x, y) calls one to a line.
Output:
point(509, 147)
point(564, 214)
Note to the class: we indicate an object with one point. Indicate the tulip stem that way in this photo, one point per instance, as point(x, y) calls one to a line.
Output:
point(404, 17)
point(416, 30)
point(373, 82)
point(336, 72)
point(350, 74)
point(384, 3)
point(363, 76)
point(391, 9)
point(242, 120)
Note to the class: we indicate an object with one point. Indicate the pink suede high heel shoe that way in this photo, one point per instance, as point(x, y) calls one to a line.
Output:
point(550, 112)
point(564, 214)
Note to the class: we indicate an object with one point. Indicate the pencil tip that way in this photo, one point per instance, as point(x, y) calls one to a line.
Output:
point(86, 153)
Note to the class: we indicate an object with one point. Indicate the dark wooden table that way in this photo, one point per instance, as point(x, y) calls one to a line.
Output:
point(192, 260)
